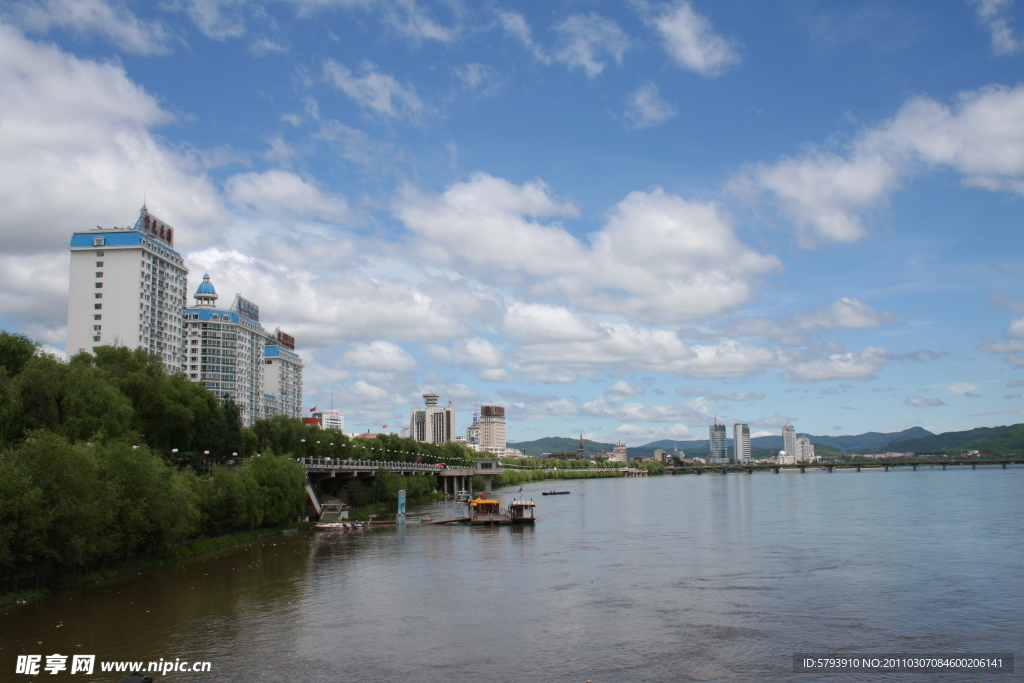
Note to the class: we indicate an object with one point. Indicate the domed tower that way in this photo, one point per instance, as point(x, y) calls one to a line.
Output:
point(206, 295)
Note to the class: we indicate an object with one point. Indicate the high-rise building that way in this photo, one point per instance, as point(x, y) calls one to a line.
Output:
point(127, 288)
point(473, 432)
point(741, 443)
point(718, 444)
point(231, 353)
point(492, 429)
point(433, 423)
point(282, 376)
point(789, 440)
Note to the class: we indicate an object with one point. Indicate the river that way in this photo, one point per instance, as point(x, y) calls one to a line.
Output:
point(686, 578)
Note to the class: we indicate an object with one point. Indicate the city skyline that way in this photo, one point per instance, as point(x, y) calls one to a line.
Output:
point(620, 219)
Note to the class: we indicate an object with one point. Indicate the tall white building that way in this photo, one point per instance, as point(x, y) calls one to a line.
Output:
point(433, 423)
point(718, 444)
point(741, 443)
point(127, 288)
point(789, 440)
point(282, 376)
point(492, 430)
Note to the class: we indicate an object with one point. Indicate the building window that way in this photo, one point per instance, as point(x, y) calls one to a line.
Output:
point(98, 242)
point(99, 274)
point(97, 317)
point(98, 296)
point(97, 306)
point(99, 285)
point(96, 338)
point(96, 328)
point(99, 264)
point(99, 253)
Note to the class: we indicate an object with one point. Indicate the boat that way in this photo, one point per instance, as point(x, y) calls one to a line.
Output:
point(462, 496)
point(486, 511)
point(521, 511)
point(554, 493)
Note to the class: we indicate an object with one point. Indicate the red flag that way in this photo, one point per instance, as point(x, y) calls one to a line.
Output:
point(384, 427)
point(520, 489)
point(313, 409)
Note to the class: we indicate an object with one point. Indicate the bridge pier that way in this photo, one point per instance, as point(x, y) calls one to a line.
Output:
point(1004, 464)
point(697, 471)
point(724, 471)
point(943, 467)
point(830, 468)
point(775, 470)
point(750, 470)
point(974, 465)
point(858, 468)
point(802, 469)
point(914, 465)
point(886, 467)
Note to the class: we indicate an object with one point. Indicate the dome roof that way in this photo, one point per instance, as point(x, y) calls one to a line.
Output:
point(206, 287)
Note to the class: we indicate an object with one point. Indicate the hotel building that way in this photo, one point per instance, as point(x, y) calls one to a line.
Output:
point(127, 288)
point(433, 423)
point(718, 444)
point(741, 443)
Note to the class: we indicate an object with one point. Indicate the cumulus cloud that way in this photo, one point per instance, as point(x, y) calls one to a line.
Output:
point(849, 365)
point(378, 355)
point(690, 39)
point(283, 194)
point(1012, 347)
point(623, 389)
point(826, 193)
point(644, 108)
point(921, 402)
point(845, 312)
point(113, 22)
point(77, 141)
point(374, 90)
point(586, 40)
point(638, 435)
point(994, 15)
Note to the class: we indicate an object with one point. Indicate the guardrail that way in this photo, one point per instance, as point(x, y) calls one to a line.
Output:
point(326, 464)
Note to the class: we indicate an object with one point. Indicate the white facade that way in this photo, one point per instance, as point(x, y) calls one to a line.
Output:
point(127, 288)
point(331, 419)
point(789, 440)
point(805, 450)
point(741, 443)
point(228, 351)
point(492, 429)
point(282, 379)
point(433, 423)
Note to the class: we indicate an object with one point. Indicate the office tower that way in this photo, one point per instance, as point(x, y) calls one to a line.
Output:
point(492, 429)
point(805, 450)
point(717, 443)
point(127, 288)
point(433, 423)
point(330, 419)
point(741, 443)
point(789, 440)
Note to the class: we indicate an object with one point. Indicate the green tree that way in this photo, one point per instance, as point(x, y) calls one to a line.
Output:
point(15, 350)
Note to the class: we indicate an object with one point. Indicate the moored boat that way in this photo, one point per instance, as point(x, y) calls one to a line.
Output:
point(486, 511)
point(521, 511)
point(555, 493)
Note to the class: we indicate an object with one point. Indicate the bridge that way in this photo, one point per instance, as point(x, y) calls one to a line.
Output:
point(830, 466)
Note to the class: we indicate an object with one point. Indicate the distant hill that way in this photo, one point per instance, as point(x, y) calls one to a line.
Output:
point(1008, 438)
point(998, 439)
point(550, 444)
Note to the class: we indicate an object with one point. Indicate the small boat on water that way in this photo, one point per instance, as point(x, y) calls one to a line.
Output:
point(486, 511)
point(521, 511)
point(462, 496)
point(554, 493)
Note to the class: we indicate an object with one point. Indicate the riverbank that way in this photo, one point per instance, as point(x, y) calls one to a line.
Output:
point(193, 549)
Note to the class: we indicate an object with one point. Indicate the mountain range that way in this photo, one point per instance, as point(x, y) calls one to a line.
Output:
point(915, 439)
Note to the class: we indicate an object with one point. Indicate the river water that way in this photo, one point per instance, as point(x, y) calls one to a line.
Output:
point(686, 578)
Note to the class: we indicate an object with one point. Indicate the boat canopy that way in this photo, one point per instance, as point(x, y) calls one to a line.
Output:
point(483, 501)
point(524, 503)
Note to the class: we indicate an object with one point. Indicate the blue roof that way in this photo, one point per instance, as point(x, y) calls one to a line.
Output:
point(118, 238)
point(206, 313)
point(271, 351)
point(206, 287)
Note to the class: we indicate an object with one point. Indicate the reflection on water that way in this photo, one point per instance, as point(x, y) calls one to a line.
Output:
point(666, 579)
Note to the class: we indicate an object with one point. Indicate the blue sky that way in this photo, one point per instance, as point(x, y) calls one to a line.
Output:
point(616, 218)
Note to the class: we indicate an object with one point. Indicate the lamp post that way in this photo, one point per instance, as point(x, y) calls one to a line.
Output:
point(303, 447)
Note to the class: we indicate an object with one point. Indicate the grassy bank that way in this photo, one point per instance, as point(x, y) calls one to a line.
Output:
point(182, 552)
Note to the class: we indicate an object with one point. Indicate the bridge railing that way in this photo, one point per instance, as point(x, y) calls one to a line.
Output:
point(374, 465)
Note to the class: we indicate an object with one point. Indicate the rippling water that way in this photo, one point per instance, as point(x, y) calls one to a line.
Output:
point(687, 578)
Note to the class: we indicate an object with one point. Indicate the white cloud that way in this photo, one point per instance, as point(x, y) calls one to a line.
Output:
point(993, 14)
point(378, 355)
point(76, 144)
point(218, 19)
point(409, 20)
point(691, 40)
point(475, 352)
point(825, 194)
point(645, 109)
point(622, 389)
point(920, 402)
point(515, 25)
point(545, 323)
point(375, 90)
point(639, 435)
point(490, 226)
point(845, 312)
point(480, 78)
point(113, 21)
point(586, 39)
point(283, 194)
point(850, 365)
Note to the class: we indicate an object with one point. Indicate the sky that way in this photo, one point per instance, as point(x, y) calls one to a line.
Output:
point(622, 219)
